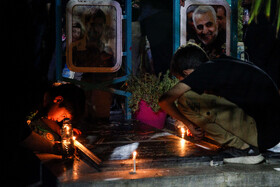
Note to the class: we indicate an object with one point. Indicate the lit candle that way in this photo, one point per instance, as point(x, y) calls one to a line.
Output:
point(67, 129)
point(183, 132)
point(134, 161)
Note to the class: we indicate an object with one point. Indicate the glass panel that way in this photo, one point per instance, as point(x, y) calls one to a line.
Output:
point(94, 36)
point(206, 26)
point(206, 23)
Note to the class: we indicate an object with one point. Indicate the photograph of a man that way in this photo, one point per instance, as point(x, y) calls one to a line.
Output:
point(205, 22)
point(98, 51)
point(207, 31)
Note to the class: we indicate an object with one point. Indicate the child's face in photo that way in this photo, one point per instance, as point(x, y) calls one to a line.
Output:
point(58, 114)
point(76, 34)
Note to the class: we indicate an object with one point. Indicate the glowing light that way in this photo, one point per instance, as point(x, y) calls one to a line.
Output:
point(182, 143)
point(87, 152)
point(183, 132)
point(134, 161)
point(134, 154)
point(189, 132)
point(74, 138)
point(182, 148)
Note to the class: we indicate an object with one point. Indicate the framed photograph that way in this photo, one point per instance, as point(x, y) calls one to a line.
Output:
point(93, 34)
point(206, 23)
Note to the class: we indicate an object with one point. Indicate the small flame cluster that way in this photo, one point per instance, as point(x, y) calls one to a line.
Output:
point(134, 154)
point(182, 127)
point(185, 131)
point(189, 132)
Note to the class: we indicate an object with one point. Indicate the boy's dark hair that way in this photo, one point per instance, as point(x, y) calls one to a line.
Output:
point(73, 99)
point(189, 56)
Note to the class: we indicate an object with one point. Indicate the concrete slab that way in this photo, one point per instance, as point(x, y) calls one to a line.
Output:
point(163, 160)
point(201, 174)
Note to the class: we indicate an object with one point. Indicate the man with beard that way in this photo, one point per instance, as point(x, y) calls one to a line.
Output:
point(206, 26)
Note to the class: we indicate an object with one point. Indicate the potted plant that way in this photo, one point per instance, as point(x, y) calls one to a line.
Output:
point(146, 90)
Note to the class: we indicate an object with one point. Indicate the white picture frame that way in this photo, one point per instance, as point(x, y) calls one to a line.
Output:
point(96, 53)
point(183, 19)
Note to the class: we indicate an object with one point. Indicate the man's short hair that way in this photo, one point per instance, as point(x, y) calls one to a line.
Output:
point(204, 10)
point(189, 56)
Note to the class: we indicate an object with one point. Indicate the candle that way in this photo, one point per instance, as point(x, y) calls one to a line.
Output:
point(134, 161)
point(67, 140)
point(183, 132)
point(67, 130)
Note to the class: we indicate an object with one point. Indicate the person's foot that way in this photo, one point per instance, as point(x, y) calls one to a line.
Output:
point(250, 155)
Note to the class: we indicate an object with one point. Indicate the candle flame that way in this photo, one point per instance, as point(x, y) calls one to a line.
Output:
point(189, 132)
point(134, 154)
point(183, 130)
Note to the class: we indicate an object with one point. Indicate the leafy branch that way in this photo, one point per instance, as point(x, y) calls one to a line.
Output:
point(258, 5)
point(149, 88)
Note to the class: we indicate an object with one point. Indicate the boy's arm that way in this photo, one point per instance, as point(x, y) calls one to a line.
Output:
point(167, 103)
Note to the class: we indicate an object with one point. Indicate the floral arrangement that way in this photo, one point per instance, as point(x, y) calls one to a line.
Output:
point(149, 88)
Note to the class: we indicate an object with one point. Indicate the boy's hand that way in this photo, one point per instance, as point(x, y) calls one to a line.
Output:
point(196, 131)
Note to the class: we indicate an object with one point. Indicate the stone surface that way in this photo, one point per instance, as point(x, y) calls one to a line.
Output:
point(163, 159)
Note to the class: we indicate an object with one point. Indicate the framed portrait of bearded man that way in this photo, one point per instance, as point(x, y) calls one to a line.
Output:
point(206, 23)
